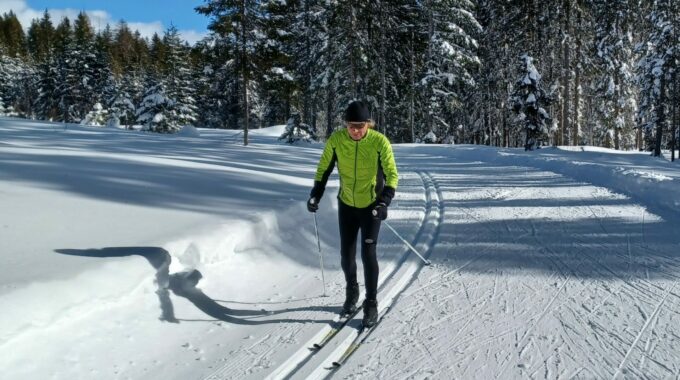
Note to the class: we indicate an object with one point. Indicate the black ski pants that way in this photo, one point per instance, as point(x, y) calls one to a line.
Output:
point(352, 220)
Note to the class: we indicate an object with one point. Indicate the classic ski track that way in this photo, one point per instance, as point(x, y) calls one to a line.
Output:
point(626, 281)
point(297, 360)
point(232, 367)
point(564, 270)
point(650, 321)
point(432, 190)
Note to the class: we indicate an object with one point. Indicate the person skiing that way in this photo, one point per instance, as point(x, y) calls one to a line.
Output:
point(368, 181)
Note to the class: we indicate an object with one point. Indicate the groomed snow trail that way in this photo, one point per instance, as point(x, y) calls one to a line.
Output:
point(535, 275)
point(197, 259)
point(417, 216)
point(398, 276)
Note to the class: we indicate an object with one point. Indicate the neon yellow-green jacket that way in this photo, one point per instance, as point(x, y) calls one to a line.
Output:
point(367, 169)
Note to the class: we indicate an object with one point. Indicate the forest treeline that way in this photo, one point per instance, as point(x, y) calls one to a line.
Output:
point(496, 72)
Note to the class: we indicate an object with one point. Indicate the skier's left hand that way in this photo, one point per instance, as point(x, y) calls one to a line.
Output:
point(380, 211)
point(312, 204)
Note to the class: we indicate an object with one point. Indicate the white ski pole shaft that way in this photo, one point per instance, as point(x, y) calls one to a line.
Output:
point(427, 262)
point(318, 242)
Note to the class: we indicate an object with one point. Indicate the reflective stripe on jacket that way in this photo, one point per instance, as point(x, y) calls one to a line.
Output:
point(361, 165)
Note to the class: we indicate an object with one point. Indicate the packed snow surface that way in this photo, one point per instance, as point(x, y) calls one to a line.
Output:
point(135, 255)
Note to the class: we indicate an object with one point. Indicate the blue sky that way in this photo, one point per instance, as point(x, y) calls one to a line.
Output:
point(148, 16)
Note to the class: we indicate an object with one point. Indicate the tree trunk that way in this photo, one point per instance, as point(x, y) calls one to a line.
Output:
point(412, 91)
point(675, 114)
point(566, 78)
point(617, 112)
point(576, 125)
point(383, 79)
point(661, 116)
point(244, 73)
point(330, 100)
point(428, 60)
point(306, 114)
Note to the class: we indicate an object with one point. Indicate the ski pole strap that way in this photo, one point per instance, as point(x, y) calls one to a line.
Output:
point(427, 262)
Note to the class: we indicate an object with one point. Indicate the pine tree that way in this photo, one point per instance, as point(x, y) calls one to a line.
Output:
point(179, 77)
point(83, 73)
point(63, 37)
point(119, 102)
point(47, 102)
point(450, 58)
point(240, 24)
point(11, 75)
point(529, 101)
point(99, 116)
point(655, 71)
point(218, 86)
point(297, 131)
point(41, 38)
point(615, 52)
point(275, 58)
point(157, 111)
point(13, 36)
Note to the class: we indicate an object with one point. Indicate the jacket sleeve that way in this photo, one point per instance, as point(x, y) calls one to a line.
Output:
point(324, 169)
point(390, 169)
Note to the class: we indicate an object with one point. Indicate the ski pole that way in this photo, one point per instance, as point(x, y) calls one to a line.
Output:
point(427, 262)
point(318, 242)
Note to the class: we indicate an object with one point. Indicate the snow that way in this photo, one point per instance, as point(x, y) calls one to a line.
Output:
point(189, 131)
point(194, 257)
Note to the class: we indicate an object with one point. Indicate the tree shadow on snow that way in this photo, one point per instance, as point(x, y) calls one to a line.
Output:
point(183, 284)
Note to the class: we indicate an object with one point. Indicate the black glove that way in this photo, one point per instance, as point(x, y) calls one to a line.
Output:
point(312, 204)
point(380, 211)
point(386, 195)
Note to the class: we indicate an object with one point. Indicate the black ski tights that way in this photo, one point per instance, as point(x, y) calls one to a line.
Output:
point(352, 220)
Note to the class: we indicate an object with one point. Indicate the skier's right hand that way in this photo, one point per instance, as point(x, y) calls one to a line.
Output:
point(312, 204)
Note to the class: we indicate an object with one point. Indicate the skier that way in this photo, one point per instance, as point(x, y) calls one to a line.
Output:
point(368, 180)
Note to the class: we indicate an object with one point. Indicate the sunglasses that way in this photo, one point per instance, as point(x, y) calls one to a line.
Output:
point(357, 126)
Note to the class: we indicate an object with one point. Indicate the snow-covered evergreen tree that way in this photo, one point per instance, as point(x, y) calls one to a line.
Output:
point(47, 103)
point(157, 112)
point(616, 103)
point(179, 78)
point(11, 76)
point(83, 72)
point(296, 130)
point(218, 93)
point(277, 82)
point(119, 103)
point(99, 116)
point(529, 101)
point(239, 23)
point(655, 72)
point(450, 58)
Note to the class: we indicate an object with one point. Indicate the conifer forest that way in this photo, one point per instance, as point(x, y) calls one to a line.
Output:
point(505, 73)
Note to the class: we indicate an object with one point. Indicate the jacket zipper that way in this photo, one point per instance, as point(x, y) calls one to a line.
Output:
point(356, 155)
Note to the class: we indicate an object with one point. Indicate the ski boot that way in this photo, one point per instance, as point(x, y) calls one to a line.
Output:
point(370, 313)
point(351, 298)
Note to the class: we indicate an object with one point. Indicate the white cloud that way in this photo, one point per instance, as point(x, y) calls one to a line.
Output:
point(98, 18)
point(192, 36)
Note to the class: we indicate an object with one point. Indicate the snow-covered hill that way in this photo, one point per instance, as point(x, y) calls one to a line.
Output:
point(132, 255)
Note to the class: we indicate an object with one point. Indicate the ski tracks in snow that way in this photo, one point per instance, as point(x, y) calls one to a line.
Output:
point(568, 289)
point(263, 357)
